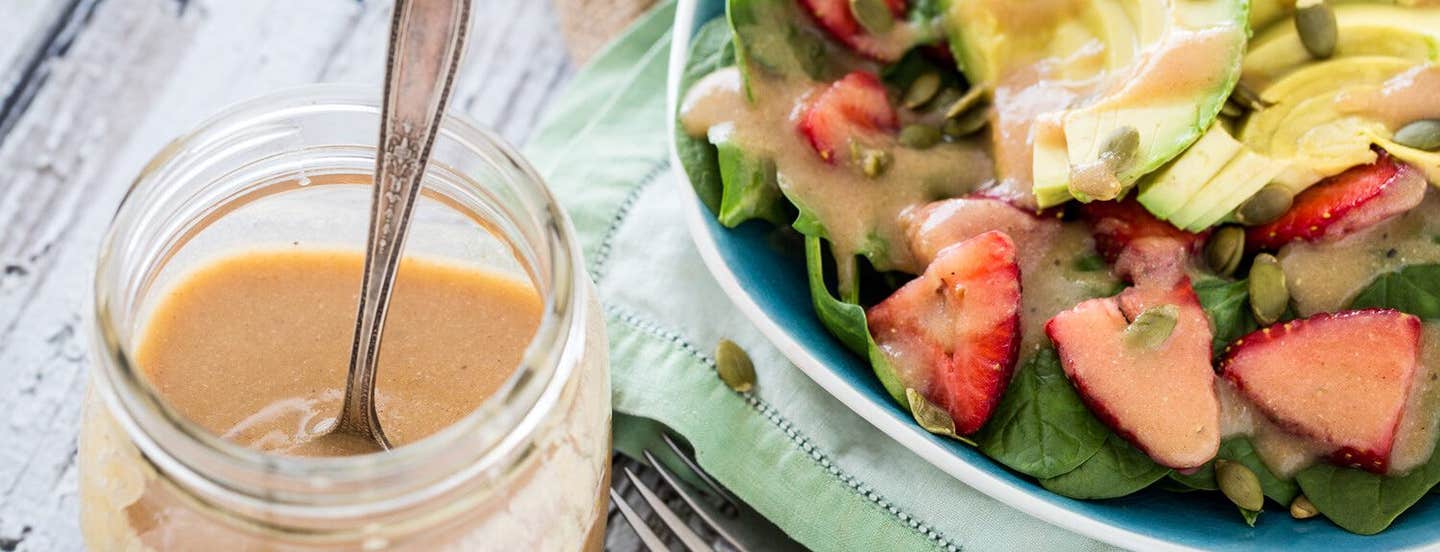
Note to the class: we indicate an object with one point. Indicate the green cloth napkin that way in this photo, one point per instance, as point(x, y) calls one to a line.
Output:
point(795, 454)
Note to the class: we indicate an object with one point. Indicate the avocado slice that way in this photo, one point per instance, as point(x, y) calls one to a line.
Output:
point(1363, 30)
point(1164, 192)
point(1165, 71)
point(1244, 175)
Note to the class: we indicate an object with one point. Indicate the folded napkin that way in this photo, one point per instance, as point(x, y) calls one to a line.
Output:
point(788, 449)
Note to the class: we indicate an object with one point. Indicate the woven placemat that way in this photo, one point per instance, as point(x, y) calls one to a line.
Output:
point(589, 24)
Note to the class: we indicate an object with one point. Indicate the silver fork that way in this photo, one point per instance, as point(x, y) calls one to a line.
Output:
point(668, 517)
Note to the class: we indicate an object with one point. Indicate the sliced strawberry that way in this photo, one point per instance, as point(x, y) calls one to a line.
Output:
point(851, 108)
point(1120, 224)
point(835, 17)
point(953, 333)
point(1344, 203)
point(1342, 379)
point(940, 224)
point(1159, 397)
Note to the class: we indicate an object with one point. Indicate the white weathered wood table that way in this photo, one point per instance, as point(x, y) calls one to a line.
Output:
point(89, 90)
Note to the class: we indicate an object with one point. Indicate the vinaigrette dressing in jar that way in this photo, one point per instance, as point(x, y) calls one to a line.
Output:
point(224, 301)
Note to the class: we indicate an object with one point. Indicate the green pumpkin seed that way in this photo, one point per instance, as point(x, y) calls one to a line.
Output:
point(1248, 98)
point(874, 15)
point(1265, 206)
point(1269, 295)
point(921, 90)
point(1302, 508)
point(973, 97)
point(919, 136)
point(966, 124)
point(1119, 148)
point(874, 162)
point(734, 366)
point(1422, 135)
point(1239, 484)
point(1315, 23)
point(1152, 327)
point(1226, 248)
point(932, 418)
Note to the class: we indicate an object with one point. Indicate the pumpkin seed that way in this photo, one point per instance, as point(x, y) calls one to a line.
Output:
point(919, 136)
point(966, 124)
point(1239, 484)
point(972, 98)
point(1265, 206)
point(921, 90)
point(932, 418)
point(734, 366)
point(874, 162)
point(1315, 23)
point(1226, 248)
point(1152, 327)
point(1423, 135)
point(874, 15)
point(1302, 508)
point(1119, 148)
point(1248, 98)
point(1269, 295)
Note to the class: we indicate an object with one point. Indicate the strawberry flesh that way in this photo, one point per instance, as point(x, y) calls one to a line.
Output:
point(1342, 204)
point(940, 224)
point(835, 17)
point(1342, 379)
point(1138, 244)
point(1161, 399)
point(953, 333)
point(852, 108)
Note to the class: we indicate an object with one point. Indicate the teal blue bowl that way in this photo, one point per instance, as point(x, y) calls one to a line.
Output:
point(769, 286)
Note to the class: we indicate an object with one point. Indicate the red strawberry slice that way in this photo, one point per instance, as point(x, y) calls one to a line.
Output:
point(1342, 379)
point(835, 17)
point(1138, 244)
point(1344, 203)
point(1159, 397)
point(853, 107)
point(940, 224)
point(953, 333)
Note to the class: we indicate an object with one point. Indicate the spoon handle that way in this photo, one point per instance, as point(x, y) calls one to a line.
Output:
point(426, 40)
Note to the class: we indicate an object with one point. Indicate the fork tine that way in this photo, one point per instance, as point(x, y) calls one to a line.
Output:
point(690, 500)
point(687, 537)
point(705, 477)
point(648, 537)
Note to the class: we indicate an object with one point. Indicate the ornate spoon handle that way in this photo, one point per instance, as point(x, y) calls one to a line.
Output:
point(426, 40)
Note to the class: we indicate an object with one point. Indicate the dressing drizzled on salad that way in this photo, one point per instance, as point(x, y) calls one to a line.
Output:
point(1115, 241)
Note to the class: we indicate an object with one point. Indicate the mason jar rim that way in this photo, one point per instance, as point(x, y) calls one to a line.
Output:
point(341, 487)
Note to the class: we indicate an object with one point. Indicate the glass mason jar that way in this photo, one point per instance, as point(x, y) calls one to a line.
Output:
point(528, 470)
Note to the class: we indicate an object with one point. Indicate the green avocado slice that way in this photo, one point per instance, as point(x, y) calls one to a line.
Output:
point(1362, 30)
point(1165, 71)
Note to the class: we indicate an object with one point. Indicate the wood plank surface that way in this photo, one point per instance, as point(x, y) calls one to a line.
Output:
point(90, 90)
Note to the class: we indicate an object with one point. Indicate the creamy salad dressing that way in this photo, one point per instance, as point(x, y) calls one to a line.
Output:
point(860, 214)
point(1406, 97)
point(1050, 283)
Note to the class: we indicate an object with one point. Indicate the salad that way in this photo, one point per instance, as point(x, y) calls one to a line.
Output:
point(1112, 244)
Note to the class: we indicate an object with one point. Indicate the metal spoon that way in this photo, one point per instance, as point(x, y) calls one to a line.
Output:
point(426, 40)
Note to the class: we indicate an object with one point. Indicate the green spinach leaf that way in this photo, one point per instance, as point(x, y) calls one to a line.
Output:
point(1240, 449)
point(1116, 470)
point(750, 187)
point(772, 36)
point(1041, 428)
point(847, 321)
point(1227, 305)
point(1414, 289)
point(1363, 502)
point(710, 50)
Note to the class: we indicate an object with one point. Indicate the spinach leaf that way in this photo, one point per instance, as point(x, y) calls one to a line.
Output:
point(710, 50)
point(750, 188)
point(1363, 502)
point(847, 321)
point(772, 36)
point(1240, 449)
point(1227, 305)
point(1116, 470)
point(1414, 289)
point(1041, 428)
